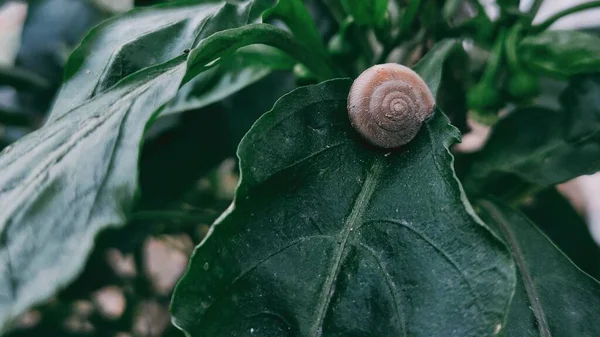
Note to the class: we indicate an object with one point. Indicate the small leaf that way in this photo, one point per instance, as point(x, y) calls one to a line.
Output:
point(369, 13)
point(295, 15)
point(246, 66)
point(328, 236)
point(542, 146)
point(561, 53)
point(432, 63)
point(553, 296)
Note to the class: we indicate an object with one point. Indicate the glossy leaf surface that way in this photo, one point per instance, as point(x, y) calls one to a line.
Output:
point(330, 237)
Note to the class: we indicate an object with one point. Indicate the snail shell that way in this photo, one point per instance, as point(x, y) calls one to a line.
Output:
point(388, 104)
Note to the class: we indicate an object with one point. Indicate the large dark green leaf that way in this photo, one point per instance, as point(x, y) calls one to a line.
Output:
point(553, 297)
point(75, 176)
point(563, 53)
point(330, 237)
point(78, 174)
point(543, 146)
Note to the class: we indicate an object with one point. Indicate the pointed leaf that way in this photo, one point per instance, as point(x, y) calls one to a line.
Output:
point(330, 237)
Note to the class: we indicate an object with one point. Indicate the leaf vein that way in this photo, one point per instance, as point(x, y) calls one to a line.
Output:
point(391, 286)
point(445, 255)
point(353, 219)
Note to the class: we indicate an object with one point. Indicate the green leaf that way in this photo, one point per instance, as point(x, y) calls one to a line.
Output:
point(246, 66)
point(451, 7)
point(542, 146)
point(22, 79)
point(228, 41)
point(295, 15)
point(78, 174)
point(553, 297)
point(561, 53)
point(175, 153)
point(10, 116)
point(329, 236)
point(369, 13)
point(433, 61)
point(565, 227)
point(141, 38)
point(65, 182)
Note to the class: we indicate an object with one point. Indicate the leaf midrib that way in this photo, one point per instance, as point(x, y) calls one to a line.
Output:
point(352, 221)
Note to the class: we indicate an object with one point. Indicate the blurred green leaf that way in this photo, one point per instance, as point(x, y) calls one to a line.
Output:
point(52, 29)
point(368, 13)
point(581, 101)
point(541, 146)
point(15, 117)
point(561, 53)
point(174, 153)
point(78, 174)
point(433, 62)
point(141, 38)
point(555, 216)
point(553, 296)
point(296, 16)
point(233, 73)
point(451, 7)
point(22, 79)
point(329, 236)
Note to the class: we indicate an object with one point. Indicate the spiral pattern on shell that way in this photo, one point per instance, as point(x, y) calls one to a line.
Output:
point(388, 104)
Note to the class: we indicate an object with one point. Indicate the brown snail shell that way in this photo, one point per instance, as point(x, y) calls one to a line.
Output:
point(388, 104)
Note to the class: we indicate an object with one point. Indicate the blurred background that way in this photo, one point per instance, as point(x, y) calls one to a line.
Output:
point(126, 287)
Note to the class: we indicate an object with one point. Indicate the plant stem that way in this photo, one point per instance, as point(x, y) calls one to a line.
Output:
point(495, 61)
point(551, 20)
point(336, 9)
point(512, 39)
point(407, 21)
point(535, 7)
